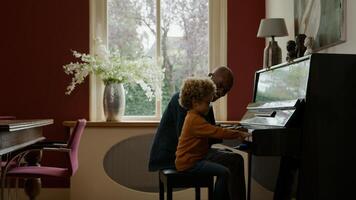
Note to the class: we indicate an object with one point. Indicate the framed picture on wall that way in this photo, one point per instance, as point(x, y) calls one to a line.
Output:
point(324, 20)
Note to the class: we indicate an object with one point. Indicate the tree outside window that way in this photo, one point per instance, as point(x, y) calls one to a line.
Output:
point(182, 47)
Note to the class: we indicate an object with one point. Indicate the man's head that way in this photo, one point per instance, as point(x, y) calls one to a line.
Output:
point(223, 79)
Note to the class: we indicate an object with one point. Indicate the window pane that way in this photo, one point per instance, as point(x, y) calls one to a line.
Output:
point(184, 42)
point(131, 28)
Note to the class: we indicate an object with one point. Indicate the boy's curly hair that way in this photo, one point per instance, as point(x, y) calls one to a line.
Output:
point(195, 89)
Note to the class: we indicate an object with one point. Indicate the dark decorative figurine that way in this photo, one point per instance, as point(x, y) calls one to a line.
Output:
point(299, 39)
point(291, 50)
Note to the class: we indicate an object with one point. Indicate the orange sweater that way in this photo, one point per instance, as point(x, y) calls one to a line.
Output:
point(193, 142)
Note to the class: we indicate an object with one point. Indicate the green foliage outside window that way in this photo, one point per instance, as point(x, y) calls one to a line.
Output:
point(183, 43)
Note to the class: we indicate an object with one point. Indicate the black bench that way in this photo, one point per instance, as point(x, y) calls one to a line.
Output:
point(170, 178)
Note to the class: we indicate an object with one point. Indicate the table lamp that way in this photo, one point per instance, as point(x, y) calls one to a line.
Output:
point(272, 27)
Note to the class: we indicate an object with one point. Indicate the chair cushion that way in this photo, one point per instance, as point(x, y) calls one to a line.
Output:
point(38, 172)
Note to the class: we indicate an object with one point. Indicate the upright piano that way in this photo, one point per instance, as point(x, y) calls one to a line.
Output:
point(302, 123)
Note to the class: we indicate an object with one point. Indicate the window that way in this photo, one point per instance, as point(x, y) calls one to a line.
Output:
point(174, 33)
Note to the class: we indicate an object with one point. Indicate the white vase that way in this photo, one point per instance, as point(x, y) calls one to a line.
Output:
point(114, 101)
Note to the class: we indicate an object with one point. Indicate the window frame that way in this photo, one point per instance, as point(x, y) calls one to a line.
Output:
point(217, 55)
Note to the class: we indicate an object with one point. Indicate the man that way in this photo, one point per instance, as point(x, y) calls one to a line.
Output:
point(162, 155)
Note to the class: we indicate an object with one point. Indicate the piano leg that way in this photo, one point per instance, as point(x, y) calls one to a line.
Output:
point(286, 180)
point(249, 156)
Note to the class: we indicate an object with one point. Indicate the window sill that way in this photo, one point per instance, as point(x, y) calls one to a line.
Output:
point(104, 124)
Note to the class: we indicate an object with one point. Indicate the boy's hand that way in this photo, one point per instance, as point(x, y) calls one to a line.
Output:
point(242, 129)
point(242, 133)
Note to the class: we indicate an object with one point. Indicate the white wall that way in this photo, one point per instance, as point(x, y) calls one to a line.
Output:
point(284, 9)
point(91, 181)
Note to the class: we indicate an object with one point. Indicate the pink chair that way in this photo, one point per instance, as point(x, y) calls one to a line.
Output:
point(70, 149)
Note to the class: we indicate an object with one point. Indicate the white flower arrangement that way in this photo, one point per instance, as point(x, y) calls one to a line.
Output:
point(114, 68)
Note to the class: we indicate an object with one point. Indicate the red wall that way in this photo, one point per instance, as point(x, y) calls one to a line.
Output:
point(36, 39)
point(245, 52)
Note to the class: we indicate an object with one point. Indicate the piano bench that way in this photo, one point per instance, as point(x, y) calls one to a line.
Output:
point(170, 178)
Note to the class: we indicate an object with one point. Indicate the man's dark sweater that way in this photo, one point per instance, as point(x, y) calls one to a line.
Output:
point(165, 142)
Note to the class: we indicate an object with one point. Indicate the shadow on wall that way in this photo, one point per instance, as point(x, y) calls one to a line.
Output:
point(126, 163)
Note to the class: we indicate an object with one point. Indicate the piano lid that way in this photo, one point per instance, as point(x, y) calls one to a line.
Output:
point(277, 94)
point(274, 104)
point(274, 114)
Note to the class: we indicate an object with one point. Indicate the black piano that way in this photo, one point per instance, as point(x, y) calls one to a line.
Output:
point(301, 119)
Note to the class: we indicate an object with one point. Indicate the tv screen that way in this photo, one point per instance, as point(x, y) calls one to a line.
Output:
point(282, 83)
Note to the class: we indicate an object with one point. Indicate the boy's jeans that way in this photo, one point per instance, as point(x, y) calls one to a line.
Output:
point(228, 168)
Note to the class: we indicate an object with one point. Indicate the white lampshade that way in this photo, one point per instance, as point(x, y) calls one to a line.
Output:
point(272, 27)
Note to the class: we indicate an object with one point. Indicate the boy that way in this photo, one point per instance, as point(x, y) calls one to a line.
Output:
point(193, 146)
